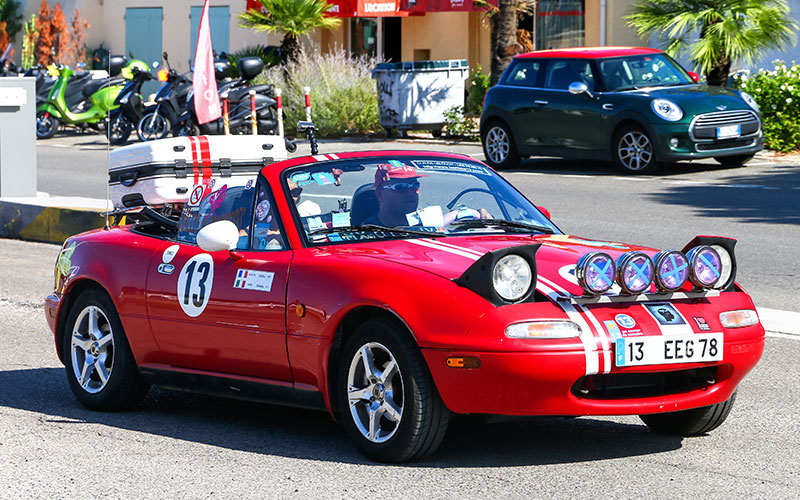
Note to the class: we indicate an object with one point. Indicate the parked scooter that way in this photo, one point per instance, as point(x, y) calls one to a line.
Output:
point(170, 100)
point(99, 97)
point(239, 105)
point(131, 107)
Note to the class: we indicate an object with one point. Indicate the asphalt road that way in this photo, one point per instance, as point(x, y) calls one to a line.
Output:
point(759, 204)
point(184, 446)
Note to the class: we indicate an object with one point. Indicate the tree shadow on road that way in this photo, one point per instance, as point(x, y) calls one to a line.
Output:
point(304, 434)
point(772, 197)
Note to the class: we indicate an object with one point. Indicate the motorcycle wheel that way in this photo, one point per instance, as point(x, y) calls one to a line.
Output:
point(186, 130)
point(152, 127)
point(119, 129)
point(46, 125)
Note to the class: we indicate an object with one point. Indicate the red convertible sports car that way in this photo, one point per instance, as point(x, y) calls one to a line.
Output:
point(394, 289)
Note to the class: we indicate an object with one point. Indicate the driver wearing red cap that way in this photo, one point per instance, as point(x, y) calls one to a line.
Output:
point(397, 190)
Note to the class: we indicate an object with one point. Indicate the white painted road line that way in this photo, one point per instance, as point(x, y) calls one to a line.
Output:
point(780, 323)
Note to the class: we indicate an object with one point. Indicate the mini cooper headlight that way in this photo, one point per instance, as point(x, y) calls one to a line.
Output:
point(737, 319)
point(548, 329)
point(667, 110)
point(705, 266)
point(634, 272)
point(512, 277)
point(672, 270)
point(749, 100)
point(595, 272)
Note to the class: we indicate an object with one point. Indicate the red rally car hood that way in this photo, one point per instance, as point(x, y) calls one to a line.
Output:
point(450, 257)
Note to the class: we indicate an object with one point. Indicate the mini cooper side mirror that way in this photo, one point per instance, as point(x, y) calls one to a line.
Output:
point(578, 88)
point(217, 236)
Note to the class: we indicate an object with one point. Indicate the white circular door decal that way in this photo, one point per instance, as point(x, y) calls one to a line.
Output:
point(194, 284)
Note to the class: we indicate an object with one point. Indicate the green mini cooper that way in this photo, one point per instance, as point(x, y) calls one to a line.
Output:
point(634, 106)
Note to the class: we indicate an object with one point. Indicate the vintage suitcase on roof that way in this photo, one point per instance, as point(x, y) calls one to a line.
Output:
point(160, 172)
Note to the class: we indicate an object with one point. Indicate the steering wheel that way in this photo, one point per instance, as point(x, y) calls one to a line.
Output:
point(462, 193)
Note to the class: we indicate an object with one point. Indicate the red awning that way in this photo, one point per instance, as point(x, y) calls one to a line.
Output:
point(366, 8)
point(422, 6)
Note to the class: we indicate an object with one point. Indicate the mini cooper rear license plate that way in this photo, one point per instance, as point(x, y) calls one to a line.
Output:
point(729, 131)
point(668, 349)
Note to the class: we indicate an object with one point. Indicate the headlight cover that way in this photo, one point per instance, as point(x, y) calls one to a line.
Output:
point(672, 270)
point(548, 329)
point(512, 277)
point(738, 319)
point(595, 272)
point(747, 98)
point(705, 266)
point(634, 272)
point(667, 109)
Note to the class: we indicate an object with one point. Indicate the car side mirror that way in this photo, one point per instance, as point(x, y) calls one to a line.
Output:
point(545, 211)
point(694, 76)
point(217, 236)
point(577, 88)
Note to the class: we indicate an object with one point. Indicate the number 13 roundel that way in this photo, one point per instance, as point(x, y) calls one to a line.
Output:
point(194, 284)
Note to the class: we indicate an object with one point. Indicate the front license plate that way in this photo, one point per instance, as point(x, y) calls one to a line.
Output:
point(667, 349)
point(729, 131)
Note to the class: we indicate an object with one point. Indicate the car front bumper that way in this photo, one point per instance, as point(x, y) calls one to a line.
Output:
point(689, 147)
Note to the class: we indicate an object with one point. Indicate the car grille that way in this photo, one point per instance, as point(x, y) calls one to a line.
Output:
point(728, 144)
point(640, 385)
point(705, 126)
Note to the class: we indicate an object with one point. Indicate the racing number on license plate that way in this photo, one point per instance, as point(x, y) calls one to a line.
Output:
point(664, 349)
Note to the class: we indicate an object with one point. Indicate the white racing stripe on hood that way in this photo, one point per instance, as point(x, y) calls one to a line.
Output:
point(601, 333)
point(549, 288)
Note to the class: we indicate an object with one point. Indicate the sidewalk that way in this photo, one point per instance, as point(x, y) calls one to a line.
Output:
point(49, 219)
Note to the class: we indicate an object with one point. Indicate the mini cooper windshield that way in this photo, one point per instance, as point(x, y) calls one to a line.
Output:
point(640, 71)
point(403, 197)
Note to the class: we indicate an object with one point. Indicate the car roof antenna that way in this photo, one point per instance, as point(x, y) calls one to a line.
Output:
point(308, 128)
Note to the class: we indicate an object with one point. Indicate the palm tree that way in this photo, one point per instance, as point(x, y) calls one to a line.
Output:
point(292, 19)
point(504, 37)
point(716, 33)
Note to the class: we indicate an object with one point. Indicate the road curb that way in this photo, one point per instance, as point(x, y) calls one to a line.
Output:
point(49, 220)
point(781, 322)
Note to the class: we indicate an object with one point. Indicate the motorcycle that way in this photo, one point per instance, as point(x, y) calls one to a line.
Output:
point(92, 111)
point(131, 107)
point(160, 120)
point(238, 93)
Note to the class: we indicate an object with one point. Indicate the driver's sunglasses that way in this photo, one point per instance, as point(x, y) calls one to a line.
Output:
point(295, 192)
point(401, 187)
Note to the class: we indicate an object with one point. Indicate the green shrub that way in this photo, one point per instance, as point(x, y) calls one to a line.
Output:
point(456, 124)
point(777, 93)
point(479, 84)
point(344, 98)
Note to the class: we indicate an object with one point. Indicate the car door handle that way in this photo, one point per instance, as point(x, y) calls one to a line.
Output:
point(608, 107)
point(541, 103)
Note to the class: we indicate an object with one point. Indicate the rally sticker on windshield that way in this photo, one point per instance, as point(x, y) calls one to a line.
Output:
point(253, 280)
point(450, 166)
point(195, 283)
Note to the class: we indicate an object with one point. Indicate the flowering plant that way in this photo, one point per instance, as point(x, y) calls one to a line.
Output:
point(777, 93)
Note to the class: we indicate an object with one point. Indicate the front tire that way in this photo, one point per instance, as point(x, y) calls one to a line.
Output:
point(100, 367)
point(733, 161)
point(152, 127)
point(498, 146)
point(386, 397)
point(46, 125)
point(690, 422)
point(633, 151)
point(119, 129)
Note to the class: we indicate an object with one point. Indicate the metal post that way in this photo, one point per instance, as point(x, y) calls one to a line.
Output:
point(279, 105)
point(308, 103)
point(226, 119)
point(253, 117)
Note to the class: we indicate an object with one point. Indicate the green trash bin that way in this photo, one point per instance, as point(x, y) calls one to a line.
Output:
point(415, 95)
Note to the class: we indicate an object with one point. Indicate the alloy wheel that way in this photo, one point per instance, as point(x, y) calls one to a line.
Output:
point(635, 151)
point(92, 349)
point(375, 392)
point(497, 144)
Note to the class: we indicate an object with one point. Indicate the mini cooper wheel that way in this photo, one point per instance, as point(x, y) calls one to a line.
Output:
point(733, 161)
point(100, 366)
point(46, 125)
point(633, 151)
point(690, 422)
point(498, 146)
point(387, 400)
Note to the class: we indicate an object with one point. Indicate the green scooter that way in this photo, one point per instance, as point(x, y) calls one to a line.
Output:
point(99, 96)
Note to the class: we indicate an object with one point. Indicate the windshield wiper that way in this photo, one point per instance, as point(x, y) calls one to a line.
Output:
point(374, 228)
point(501, 223)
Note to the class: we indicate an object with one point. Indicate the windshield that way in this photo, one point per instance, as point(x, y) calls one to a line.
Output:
point(406, 197)
point(647, 70)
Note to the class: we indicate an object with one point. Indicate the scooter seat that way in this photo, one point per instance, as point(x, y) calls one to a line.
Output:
point(95, 85)
point(242, 93)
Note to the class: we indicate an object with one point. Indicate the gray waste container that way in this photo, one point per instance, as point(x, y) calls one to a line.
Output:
point(415, 95)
